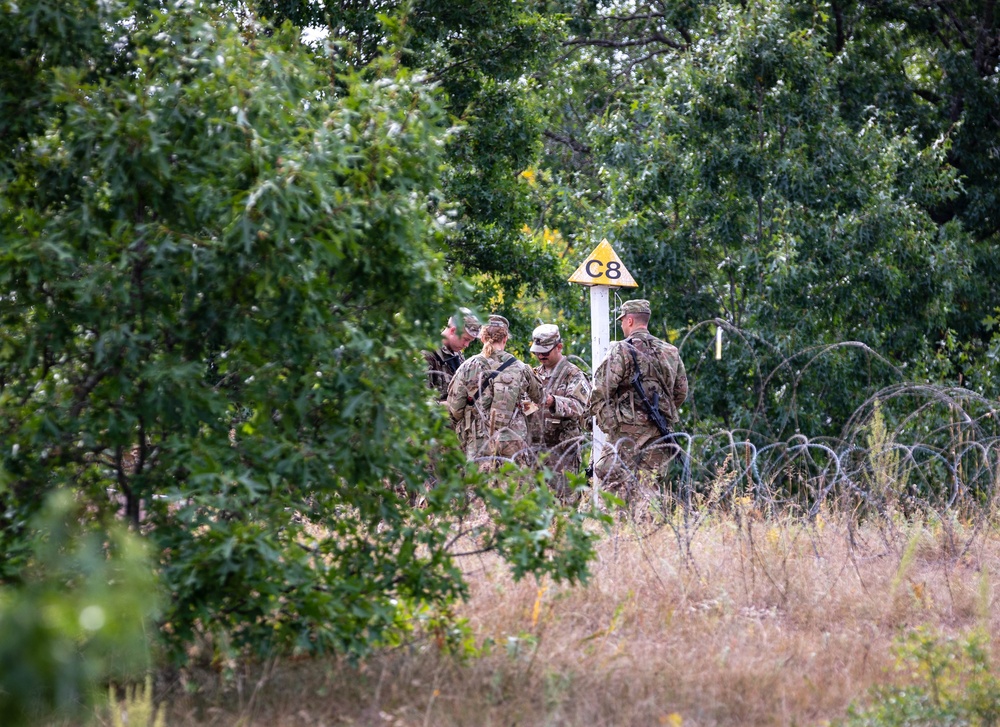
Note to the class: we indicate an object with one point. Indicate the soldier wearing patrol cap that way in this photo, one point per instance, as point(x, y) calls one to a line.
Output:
point(557, 426)
point(444, 362)
point(485, 397)
point(634, 423)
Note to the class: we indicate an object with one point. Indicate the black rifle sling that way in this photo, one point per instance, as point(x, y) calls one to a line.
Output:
point(451, 363)
point(488, 378)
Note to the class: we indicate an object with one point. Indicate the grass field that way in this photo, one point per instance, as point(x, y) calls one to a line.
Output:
point(723, 617)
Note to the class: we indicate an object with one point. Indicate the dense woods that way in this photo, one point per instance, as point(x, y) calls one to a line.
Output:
point(228, 229)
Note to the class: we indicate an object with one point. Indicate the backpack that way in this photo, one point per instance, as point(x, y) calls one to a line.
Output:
point(505, 396)
point(646, 355)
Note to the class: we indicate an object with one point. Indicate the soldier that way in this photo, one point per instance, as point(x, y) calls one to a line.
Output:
point(444, 362)
point(557, 427)
point(485, 399)
point(634, 423)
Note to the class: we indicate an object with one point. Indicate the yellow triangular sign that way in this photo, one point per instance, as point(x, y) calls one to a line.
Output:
point(603, 267)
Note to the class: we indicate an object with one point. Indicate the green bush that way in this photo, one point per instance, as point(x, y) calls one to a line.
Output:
point(946, 681)
point(79, 615)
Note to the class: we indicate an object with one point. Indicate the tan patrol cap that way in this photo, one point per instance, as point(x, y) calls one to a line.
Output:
point(472, 324)
point(545, 338)
point(639, 305)
point(497, 321)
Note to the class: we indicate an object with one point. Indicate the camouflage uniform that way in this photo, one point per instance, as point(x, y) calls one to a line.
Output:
point(486, 407)
point(620, 412)
point(441, 367)
point(559, 430)
point(444, 362)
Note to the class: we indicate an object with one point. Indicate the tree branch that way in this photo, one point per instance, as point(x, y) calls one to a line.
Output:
point(640, 42)
point(572, 143)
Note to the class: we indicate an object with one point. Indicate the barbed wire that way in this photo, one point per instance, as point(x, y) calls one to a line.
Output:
point(906, 449)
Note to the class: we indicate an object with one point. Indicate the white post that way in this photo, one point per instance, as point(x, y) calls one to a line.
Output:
point(600, 340)
point(601, 271)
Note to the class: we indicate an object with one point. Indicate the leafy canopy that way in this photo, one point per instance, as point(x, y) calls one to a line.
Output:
point(220, 258)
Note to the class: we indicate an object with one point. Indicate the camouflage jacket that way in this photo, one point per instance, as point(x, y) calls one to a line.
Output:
point(441, 367)
point(484, 407)
point(570, 388)
point(615, 402)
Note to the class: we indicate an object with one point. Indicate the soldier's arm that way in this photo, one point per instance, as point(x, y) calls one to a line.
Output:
point(535, 390)
point(433, 375)
point(606, 380)
point(573, 403)
point(458, 392)
point(598, 392)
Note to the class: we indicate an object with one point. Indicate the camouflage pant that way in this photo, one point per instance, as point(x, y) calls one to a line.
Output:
point(623, 465)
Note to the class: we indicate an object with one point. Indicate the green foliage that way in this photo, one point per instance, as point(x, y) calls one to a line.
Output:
point(221, 256)
point(39, 37)
point(948, 682)
point(534, 531)
point(936, 69)
point(77, 615)
point(483, 55)
point(738, 188)
point(970, 362)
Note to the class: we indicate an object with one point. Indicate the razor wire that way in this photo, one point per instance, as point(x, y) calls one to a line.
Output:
point(924, 462)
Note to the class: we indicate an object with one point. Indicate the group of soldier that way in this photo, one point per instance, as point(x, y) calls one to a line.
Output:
point(505, 410)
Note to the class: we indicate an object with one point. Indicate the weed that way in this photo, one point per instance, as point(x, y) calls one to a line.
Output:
point(137, 709)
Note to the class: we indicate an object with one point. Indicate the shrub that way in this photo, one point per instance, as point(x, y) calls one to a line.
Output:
point(947, 681)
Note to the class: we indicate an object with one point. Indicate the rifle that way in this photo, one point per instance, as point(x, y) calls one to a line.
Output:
point(652, 407)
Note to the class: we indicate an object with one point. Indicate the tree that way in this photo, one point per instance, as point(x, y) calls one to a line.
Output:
point(221, 256)
point(483, 55)
point(751, 166)
point(936, 65)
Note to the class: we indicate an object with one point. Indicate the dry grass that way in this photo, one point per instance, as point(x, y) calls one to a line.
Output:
point(764, 622)
point(730, 613)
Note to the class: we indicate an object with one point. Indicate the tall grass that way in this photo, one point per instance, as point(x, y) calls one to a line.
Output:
point(761, 620)
point(762, 584)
